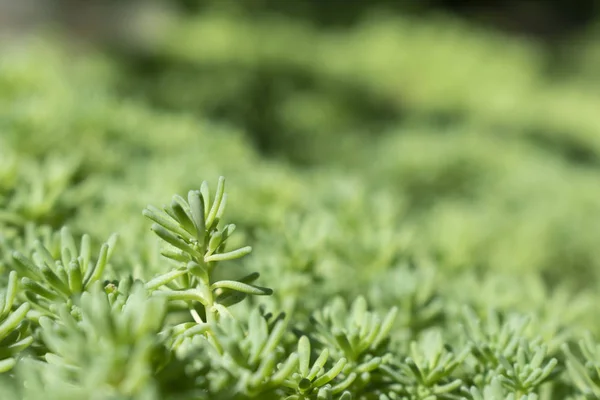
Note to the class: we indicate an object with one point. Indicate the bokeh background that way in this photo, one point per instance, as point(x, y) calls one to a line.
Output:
point(462, 137)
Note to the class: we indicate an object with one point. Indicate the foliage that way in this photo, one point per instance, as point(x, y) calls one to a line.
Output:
point(406, 219)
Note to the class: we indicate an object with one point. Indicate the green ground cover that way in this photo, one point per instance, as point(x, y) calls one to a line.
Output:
point(421, 198)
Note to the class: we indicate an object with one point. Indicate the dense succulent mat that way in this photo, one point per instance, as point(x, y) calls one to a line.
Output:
point(391, 231)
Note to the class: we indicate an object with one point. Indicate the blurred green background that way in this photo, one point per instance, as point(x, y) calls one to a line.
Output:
point(355, 135)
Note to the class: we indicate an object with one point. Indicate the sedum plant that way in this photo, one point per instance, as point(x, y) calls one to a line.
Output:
point(355, 333)
point(197, 245)
point(60, 274)
point(585, 369)
point(311, 378)
point(112, 344)
point(15, 335)
point(495, 391)
point(73, 325)
point(354, 155)
point(41, 192)
point(501, 352)
point(428, 370)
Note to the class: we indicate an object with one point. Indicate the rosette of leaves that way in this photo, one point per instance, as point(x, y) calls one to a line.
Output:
point(500, 350)
point(495, 391)
point(14, 327)
point(584, 369)
point(111, 346)
point(357, 335)
point(414, 289)
point(60, 271)
point(24, 241)
point(428, 372)
point(354, 332)
point(197, 246)
point(247, 360)
point(43, 193)
point(321, 379)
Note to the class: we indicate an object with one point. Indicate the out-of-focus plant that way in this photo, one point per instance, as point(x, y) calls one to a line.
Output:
point(386, 174)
